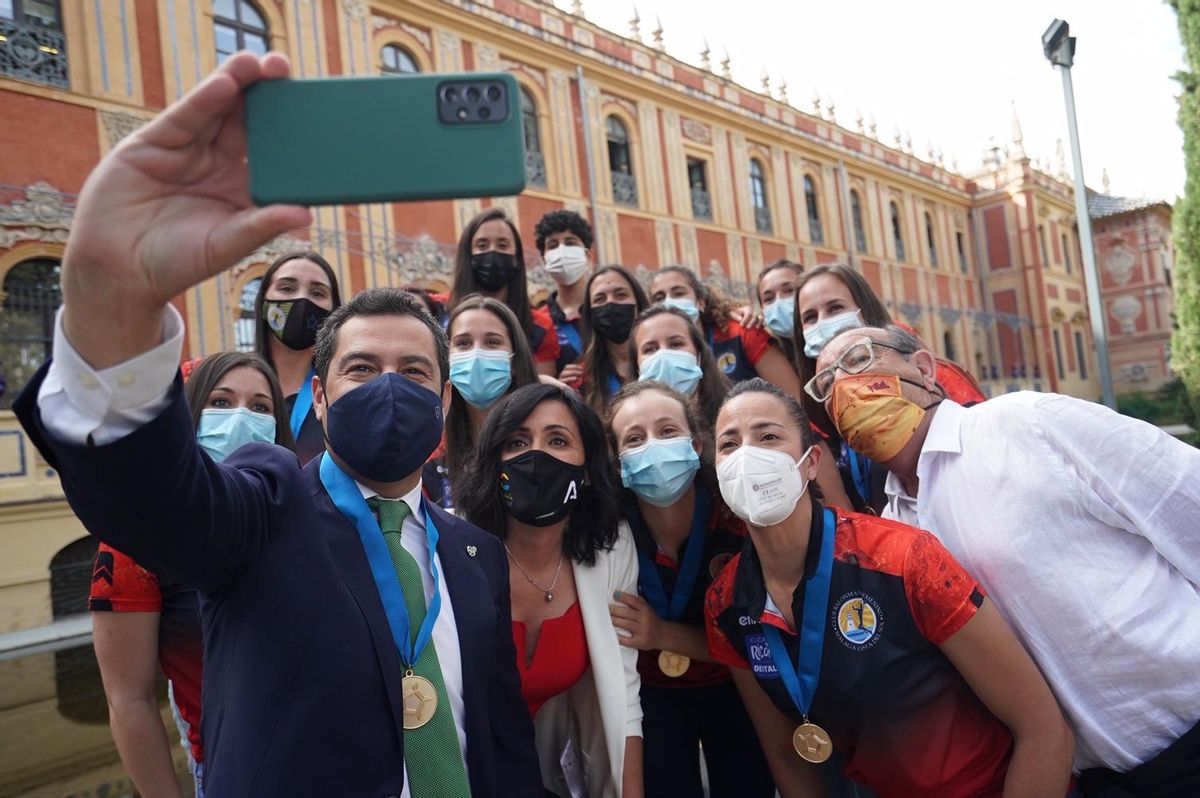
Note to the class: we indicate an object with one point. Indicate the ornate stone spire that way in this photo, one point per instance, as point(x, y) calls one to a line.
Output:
point(635, 26)
point(816, 103)
point(1104, 181)
point(577, 7)
point(897, 139)
point(725, 73)
point(782, 90)
point(1018, 137)
point(1060, 157)
point(908, 141)
point(765, 79)
point(872, 128)
point(657, 33)
point(858, 121)
point(705, 62)
point(831, 108)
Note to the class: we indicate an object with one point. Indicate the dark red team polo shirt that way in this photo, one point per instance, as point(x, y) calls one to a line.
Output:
point(899, 713)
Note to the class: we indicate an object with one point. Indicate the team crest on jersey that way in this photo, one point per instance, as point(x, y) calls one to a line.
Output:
point(858, 620)
point(727, 362)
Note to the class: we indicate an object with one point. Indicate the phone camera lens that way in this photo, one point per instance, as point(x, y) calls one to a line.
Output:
point(451, 94)
point(493, 93)
point(473, 94)
point(485, 112)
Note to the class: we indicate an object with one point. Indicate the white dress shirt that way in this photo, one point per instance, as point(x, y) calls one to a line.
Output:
point(80, 404)
point(1084, 527)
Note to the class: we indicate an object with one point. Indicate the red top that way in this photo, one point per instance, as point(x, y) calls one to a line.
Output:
point(548, 350)
point(121, 585)
point(559, 660)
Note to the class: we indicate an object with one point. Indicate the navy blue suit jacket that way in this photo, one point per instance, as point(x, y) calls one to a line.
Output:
point(301, 692)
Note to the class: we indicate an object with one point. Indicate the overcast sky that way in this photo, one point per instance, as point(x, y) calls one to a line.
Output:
point(949, 71)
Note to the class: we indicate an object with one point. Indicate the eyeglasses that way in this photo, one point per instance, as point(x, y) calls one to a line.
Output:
point(856, 359)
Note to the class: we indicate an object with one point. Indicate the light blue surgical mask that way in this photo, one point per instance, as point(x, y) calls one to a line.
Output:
point(780, 316)
point(676, 367)
point(481, 375)
point(222, 431)
point(660, 470)
point(823, 332)
point(688, 306)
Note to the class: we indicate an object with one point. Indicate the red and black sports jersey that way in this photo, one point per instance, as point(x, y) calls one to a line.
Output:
point(121, 585)
point(903, 719)
point(724, 537)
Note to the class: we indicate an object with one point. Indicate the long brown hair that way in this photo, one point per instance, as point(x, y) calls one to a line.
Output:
point(710, 393)
point(517, 296)
point(262, 333)
point(597, 366)
point(460, 439)
point(204, 379)
point(873, 315)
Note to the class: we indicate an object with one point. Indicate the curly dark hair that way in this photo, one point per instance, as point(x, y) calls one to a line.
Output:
point(592, 524)
point(562, 221)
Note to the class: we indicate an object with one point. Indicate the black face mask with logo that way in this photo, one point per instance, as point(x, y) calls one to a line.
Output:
point(294, 321)
point(539, 489)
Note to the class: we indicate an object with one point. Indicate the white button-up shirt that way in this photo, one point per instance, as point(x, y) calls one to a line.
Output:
point(80, 404)
point(1084, 527)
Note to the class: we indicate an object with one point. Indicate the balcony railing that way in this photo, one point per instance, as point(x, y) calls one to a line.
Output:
point(701, 204)
point(31, 52)
point(762, 219)
point(535, 168)
point(624, 188)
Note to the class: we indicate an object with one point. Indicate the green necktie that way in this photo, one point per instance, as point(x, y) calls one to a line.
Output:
point(431, 753)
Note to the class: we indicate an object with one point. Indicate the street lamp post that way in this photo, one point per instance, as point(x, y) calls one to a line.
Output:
point(1059, 47)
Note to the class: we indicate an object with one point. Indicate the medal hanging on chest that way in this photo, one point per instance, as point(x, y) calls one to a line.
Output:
point(418, 696)
point(672, 664)
point(812, 743)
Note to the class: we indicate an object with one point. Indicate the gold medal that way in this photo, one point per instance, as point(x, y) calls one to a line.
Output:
point(419, 699)
point(672, 664)
point(812, 742)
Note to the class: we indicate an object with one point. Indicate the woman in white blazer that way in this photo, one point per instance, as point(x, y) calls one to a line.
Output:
point(542, 482)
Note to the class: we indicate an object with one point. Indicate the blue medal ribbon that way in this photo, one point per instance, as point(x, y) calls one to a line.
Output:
point(651, 581)
point(801, 679)
point(568, 333)
point(303, 405)
point(860, 473)
point(614, 384)
point(349, 500)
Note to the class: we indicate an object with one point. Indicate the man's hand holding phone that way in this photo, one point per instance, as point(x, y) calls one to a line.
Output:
point(165, 210)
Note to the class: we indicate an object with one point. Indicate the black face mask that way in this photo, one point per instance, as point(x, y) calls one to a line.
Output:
point(493, 270)
point(613, 322)
point(539, 489)
point(294, 321)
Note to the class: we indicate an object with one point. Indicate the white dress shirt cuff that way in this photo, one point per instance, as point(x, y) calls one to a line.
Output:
point(81, 405)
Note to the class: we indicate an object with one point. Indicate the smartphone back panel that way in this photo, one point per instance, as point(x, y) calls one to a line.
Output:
point(377, 139)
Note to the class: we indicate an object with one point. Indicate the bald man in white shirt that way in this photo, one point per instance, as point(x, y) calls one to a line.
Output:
point(1082, 524)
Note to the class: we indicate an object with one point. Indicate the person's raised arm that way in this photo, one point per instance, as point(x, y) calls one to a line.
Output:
point(165, 210)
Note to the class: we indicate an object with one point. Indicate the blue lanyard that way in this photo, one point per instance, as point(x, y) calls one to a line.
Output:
point(860, 472)
point(349, 500)
point(614, 384)
point(567, 331)
point(651, 581)
point(303, 405)
point(803, 687)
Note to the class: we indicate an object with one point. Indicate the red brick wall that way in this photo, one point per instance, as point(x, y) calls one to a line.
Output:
point(57, 142)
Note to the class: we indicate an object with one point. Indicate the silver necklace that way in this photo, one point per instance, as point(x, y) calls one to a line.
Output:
point(547, 591)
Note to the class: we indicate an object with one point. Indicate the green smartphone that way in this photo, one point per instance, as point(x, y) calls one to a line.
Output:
point(381, 139)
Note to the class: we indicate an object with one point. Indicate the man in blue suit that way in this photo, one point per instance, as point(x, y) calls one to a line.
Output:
point(357, 639)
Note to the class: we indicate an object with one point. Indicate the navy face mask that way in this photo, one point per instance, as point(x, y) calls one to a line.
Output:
point(385, 429)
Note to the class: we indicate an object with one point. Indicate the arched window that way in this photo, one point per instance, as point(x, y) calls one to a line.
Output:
point(856, 216)
point(395, 60)
point(931, 240)
point(697, 172)
point(1066, 248)
point(815, 231)
point(31, 297)
point(897, 234)
point(960, 243)
point(620, 162)
point(535, 161)
point(238, 25)
point(244, 327)
point(948, 345)
point(758, 197)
